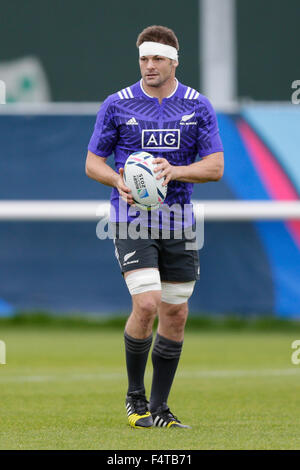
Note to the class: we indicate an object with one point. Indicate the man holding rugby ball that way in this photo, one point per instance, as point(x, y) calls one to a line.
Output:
point(174, 122)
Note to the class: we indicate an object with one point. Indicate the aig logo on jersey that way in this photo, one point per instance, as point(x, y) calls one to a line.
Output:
point(160, 139)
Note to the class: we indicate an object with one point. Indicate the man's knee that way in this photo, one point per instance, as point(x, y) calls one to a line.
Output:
point(176, 315)
point(144, 311)
point(146, 304)
point(145, 288)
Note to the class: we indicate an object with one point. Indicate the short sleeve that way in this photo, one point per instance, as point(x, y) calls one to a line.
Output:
point(208, 140)
point(104, 137)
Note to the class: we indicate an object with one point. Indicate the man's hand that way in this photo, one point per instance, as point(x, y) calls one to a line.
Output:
point(168, 171)
point(209, 168)
point(124, 191)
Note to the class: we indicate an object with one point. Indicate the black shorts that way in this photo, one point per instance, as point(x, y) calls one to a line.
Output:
point(170, 256)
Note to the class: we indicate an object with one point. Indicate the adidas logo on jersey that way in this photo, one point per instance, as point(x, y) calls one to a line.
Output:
point(132, 122)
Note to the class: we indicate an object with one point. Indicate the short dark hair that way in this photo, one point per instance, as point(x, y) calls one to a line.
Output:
point(160, 34)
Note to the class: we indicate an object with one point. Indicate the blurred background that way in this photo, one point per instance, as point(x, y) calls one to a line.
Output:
point(58, 62)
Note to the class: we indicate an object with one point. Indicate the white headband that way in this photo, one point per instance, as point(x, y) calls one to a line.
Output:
point(156, 48)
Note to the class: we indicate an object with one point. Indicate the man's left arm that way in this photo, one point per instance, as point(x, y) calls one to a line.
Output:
point(209, 168)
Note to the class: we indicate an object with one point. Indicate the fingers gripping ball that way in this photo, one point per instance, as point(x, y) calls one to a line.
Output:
point(147, 192)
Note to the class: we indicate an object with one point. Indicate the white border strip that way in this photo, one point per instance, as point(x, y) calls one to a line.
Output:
point(249, 210)
point(93, 210)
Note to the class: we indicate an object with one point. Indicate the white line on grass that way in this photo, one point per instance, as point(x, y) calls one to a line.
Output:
point(205, 374)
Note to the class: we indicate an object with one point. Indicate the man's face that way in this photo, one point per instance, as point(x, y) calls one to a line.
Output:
point(156, 70)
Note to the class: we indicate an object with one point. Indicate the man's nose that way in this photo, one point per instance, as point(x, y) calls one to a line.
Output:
point(150, 64)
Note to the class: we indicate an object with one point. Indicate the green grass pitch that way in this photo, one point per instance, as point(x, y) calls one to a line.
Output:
point(65, 389)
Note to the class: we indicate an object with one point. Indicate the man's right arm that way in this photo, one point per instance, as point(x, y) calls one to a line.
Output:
point(97, 169)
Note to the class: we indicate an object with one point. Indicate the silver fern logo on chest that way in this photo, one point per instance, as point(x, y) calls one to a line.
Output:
point(160, 139)
point(186, 120)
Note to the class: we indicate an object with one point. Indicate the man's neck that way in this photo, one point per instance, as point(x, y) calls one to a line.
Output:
point(163, 91)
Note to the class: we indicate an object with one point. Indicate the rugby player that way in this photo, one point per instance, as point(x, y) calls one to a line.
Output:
point(174, 122)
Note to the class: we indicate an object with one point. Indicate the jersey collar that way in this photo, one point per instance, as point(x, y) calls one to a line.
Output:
point(154, 97)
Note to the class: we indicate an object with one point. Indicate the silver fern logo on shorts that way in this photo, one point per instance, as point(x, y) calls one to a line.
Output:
point(129, 255)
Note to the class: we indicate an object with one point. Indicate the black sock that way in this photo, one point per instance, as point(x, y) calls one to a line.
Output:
point(137, 351)
point(165, 358)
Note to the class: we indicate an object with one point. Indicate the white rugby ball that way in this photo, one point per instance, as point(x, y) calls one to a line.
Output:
point(147, 192)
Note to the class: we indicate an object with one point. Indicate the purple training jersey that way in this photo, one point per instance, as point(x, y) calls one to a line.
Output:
point(182, 126)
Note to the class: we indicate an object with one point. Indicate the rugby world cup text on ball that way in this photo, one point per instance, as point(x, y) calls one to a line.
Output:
point(139, 181)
